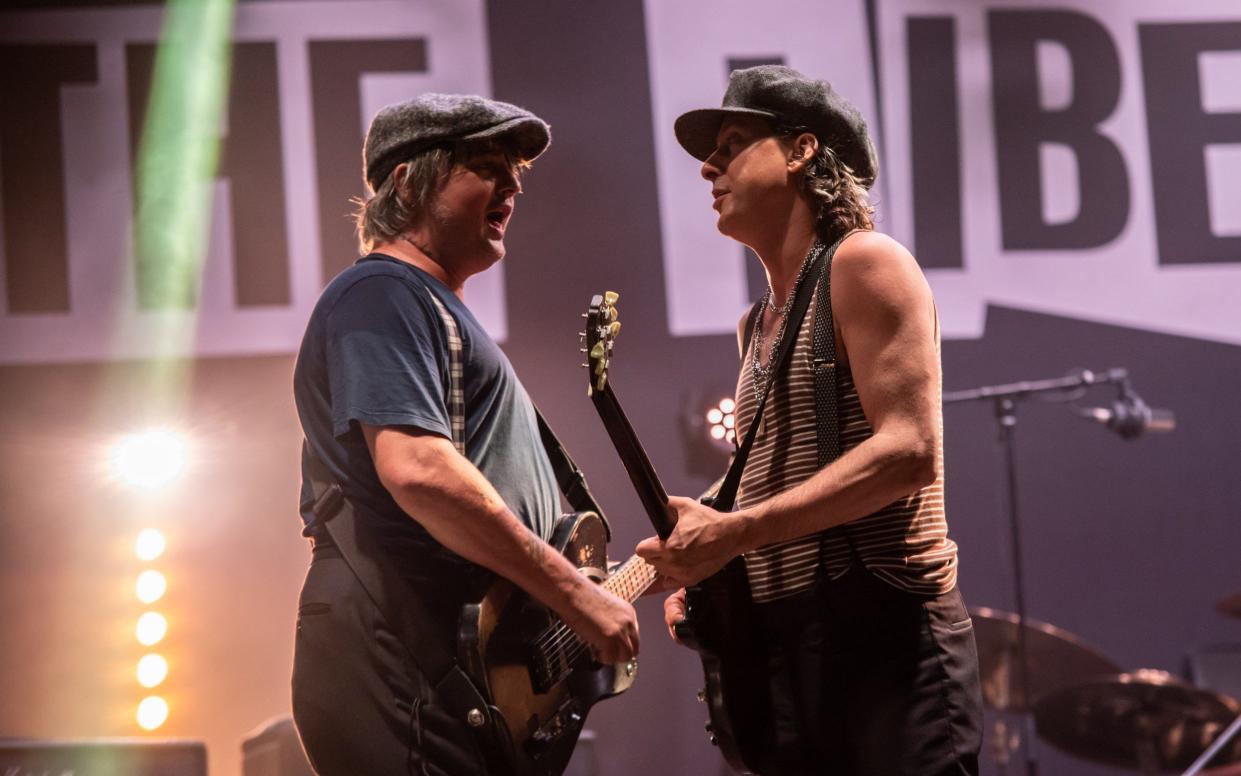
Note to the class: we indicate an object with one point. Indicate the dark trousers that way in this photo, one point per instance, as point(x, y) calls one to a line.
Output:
point(359, 703)
point(869, 680)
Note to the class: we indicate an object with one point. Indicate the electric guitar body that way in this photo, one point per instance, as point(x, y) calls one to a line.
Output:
point(538, 675)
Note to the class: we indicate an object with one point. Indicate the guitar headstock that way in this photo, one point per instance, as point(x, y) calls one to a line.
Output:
point(602, 326)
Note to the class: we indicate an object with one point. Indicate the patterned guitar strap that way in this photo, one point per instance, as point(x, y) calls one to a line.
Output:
point(826, 385)
point(568, 476)
point(456, 396)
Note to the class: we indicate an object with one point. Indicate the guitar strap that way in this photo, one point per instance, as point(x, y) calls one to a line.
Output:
point(725, 497)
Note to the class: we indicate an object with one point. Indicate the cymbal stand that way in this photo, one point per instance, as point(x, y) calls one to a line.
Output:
point(1005, 399)
point(1214, 748)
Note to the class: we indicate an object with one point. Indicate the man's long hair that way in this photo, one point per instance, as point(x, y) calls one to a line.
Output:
point(387, 214)
point(835, 192)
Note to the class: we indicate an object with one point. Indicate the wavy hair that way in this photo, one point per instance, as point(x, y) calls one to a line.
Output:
point(838, 196)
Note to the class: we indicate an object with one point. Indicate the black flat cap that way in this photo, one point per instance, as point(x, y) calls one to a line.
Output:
point(399, 131)
point(789, 98)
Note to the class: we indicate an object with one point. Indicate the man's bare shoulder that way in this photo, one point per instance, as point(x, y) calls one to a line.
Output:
point(870, 258)
point(872, 266)
point(868, 250)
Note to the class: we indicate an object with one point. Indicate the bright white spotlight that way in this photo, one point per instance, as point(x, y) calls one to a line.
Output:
point(152, 669)
point(714, 415)
point(152, 712)
point(150, 544)
point(151, 628)
point(717, 432)
point(727, 404)
point(151, 586)
point(149, 460)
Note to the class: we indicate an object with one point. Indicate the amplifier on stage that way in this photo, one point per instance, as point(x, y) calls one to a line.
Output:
point(273, 749)
point(102, 757)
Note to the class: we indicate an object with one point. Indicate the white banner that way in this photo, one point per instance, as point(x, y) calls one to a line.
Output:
point(103, 320)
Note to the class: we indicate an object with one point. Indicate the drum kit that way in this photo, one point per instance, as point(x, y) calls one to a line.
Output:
point(1084, 704)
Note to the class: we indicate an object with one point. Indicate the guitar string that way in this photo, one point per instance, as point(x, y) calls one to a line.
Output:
point(560, 631)
point(562, 634)
point(565, 645)
point(557, 632)
point(555, 636)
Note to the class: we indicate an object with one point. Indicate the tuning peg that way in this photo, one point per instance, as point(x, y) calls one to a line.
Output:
point(581, 350)
point(602, 382)
point(585, 315)
point(610, 297)
point(614, 328)
point(597, 351)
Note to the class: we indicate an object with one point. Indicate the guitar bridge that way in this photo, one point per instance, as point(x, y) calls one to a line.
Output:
point(568, 718)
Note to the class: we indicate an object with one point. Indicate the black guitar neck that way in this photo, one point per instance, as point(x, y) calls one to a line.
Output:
point(645, 481)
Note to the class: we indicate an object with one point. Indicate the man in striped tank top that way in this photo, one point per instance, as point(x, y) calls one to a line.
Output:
point(867, 644)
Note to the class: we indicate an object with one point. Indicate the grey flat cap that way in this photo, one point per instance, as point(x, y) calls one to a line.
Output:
point(399, 131)
point(786, 97)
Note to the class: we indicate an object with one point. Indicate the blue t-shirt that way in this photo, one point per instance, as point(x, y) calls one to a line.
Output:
point(376, 352)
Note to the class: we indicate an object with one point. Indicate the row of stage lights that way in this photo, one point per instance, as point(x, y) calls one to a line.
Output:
point(148, 462)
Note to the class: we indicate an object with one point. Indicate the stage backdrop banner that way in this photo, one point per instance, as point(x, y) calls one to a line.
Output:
point(1080, 158)
point(305, 78)
point(1077, 157)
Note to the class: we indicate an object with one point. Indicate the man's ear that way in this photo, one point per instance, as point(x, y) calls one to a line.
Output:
point(805, 146)
point(398, 175)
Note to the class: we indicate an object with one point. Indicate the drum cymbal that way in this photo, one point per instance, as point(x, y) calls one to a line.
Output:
point(1147, 720)
point(1055, 657)
point(1229, 605)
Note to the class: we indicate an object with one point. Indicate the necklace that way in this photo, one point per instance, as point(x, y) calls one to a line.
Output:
point(761, 375)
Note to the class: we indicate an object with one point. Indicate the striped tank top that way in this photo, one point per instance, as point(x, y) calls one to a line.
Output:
point(906, 543)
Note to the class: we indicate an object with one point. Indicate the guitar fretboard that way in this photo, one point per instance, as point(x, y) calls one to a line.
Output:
point(632, 579)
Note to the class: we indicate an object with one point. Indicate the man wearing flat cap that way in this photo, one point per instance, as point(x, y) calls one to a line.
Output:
point(867, 647)
point(416, 418)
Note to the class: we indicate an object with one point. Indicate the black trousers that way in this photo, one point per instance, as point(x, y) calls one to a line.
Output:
point(360, 704)
point(869, 680)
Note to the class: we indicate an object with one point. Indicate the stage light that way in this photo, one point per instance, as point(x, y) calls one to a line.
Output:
point(152, 712)
point(149, 460)
point(152, 627)
point(151, 586)
point(721, 420)
point(152, 669)
point(150, 545)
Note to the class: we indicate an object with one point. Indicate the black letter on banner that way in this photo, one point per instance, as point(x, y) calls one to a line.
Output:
point(935, 138)
point(755, 275)
point(1179, 130)
point(1021, 124)
point(36, 246)
point(335, 69)
point(251, 157)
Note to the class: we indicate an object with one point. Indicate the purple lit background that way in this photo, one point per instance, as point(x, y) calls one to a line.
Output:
point(1127, 544)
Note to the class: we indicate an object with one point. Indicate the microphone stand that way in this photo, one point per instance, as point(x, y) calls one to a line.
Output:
point(1005, 398)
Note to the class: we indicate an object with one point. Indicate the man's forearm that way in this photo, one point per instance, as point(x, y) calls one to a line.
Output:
point(872, 475)
point(449, 497)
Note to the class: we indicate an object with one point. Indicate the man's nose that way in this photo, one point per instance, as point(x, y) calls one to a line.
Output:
point(510, 183)
point(711, 168)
